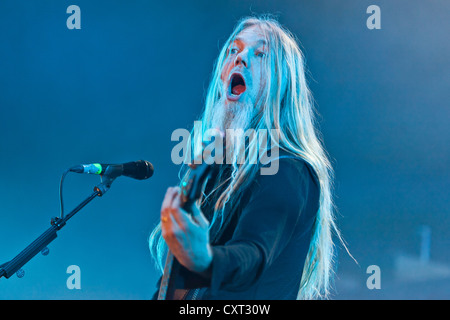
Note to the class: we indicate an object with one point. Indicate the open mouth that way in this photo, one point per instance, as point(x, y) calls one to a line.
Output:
point(237, 84)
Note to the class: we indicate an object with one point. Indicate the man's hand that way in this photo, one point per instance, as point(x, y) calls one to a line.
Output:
point(187, 236)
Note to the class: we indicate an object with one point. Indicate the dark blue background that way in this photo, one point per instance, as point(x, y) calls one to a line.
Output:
point(137, 70)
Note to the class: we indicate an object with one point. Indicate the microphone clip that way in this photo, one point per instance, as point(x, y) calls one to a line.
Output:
point(111, 173)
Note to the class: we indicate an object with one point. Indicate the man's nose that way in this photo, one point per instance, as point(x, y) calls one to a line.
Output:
point(242, 58)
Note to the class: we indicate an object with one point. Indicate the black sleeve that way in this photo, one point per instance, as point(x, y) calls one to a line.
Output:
point(264, 227)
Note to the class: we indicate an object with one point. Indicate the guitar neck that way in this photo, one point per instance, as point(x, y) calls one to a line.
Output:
point(162, 295)
point(166, 286)
point(191, 191)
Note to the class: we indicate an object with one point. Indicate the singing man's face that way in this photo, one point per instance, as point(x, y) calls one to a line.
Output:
point(242, 75)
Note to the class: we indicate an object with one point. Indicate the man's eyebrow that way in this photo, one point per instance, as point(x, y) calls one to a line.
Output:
point(259, 42)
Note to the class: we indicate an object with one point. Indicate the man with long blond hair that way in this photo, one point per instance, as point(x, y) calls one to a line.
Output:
point(275, 230)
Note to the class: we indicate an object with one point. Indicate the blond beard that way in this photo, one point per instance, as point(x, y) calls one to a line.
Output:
point(235, 115)
point(229, 118)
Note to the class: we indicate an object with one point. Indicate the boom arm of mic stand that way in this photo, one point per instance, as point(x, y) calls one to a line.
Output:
point(9, 268)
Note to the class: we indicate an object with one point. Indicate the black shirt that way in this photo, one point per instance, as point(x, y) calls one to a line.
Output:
point(263, 249)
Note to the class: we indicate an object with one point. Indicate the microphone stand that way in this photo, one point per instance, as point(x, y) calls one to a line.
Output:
point(40, 244)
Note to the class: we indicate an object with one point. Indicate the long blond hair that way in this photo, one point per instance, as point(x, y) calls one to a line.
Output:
point(287, 106)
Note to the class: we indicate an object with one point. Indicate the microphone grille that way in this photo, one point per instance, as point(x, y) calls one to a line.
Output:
point(149, 169)
point(139, 170)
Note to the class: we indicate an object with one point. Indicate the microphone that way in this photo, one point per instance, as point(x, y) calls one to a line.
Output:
point(139, 170)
